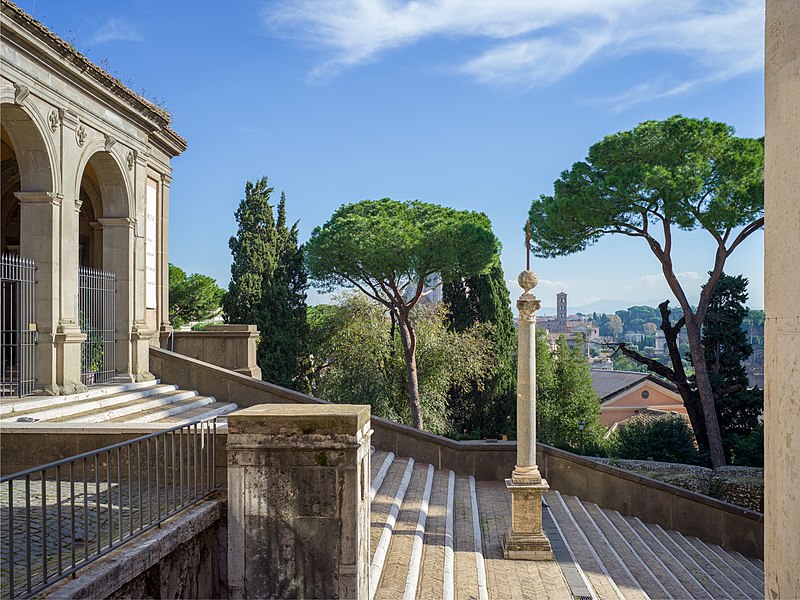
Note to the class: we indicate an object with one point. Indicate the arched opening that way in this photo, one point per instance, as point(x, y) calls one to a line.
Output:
point(9, 178)
point(27, 215)
point(105, 251)
point(90, 231)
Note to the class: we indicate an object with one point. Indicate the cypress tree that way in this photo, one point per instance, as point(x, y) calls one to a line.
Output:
point(488, 408)
point(726, 349)
point(268, 286)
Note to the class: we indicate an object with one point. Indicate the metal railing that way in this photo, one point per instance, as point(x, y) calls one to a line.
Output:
point(59, 517)
point(17, 325)
point(96, 305)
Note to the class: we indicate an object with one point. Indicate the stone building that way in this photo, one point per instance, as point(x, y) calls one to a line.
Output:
point(85, 188)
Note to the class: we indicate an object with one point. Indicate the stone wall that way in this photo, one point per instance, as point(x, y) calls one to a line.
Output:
point(228, 346)
point(185, 558)
point(742, 486)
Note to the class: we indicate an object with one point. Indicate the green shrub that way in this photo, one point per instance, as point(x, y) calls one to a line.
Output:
point(748, 450)
point(667, 438)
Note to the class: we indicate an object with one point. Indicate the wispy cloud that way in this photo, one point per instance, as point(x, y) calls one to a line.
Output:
point(526, 43)
point(115, 30)
point(657, 281)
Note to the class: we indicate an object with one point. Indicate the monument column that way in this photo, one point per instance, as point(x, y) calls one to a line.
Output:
point(525, 539)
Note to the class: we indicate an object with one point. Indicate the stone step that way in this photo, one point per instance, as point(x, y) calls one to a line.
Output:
point(381, 461)
point(635, 563)
point(615, 566)
point(751, 566)
point(179, 406)
point(120, 412)
point(575, 538)
point(699, 571)
point(401, 568)
point(468, 563)
point(730, 589)
point(677, 565)
point(729, 566)
point(670, 585)
point(436, 574)
point(31, 403)
point(215, 409)
point(385, 510)
point(94, 404)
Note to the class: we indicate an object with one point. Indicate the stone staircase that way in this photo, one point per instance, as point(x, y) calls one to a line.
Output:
point(143, 402)
point(438, 535)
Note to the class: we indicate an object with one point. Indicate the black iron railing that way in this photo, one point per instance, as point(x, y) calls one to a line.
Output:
point(96, 305)
point(17, 325)
point(59, 517)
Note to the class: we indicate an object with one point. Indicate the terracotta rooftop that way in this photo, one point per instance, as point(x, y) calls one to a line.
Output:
point(607, 384)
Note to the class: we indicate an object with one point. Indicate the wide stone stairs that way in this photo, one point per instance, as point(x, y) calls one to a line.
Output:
point(438, 535)
point(141, 402)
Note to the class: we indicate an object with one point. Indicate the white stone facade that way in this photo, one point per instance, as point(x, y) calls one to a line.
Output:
point(79, 151)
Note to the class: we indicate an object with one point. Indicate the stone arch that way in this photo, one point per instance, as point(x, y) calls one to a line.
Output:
point(112, 181)
point(32, 146)
point(107, 199)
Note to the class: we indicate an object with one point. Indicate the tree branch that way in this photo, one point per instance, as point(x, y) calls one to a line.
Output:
point(744, 233)
point(652, 365)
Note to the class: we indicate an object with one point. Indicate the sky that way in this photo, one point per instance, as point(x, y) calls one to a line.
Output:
point(471, 104)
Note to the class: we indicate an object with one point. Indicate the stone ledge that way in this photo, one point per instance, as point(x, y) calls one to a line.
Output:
point(300, 419)
point(112, 571)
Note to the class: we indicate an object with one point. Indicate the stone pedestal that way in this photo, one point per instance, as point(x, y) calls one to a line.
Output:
point(525, 540)
point(298, 501)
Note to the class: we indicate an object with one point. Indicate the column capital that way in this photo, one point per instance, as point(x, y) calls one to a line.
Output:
point(39, 197)
point(116, 222)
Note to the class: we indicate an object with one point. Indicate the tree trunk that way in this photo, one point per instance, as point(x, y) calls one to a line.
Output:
point(705, 391)
point(409, 340)
point(690, 398)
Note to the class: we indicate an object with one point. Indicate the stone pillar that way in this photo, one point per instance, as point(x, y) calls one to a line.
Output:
point(782, 290)
point(118, 258)
point(165, 327)
point(298, 501)
point(525, 539)
point(39, 218)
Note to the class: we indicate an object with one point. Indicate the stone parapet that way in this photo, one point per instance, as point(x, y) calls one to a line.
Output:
point(298, 490)
point(229, 346)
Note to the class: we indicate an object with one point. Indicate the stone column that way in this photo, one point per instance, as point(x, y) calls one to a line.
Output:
point(118, 258)
point(525, 539)
point(165, 327)
point(781, 294)
point(298, 501)
point(40, 213)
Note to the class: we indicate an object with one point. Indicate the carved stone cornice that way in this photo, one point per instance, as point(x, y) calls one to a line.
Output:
point(116, 222)
point(39, 198)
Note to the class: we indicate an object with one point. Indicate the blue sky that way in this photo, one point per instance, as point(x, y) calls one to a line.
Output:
point(472, 104)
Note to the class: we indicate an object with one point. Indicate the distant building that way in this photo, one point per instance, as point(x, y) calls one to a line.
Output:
point(627, 393)
point(561, 312)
